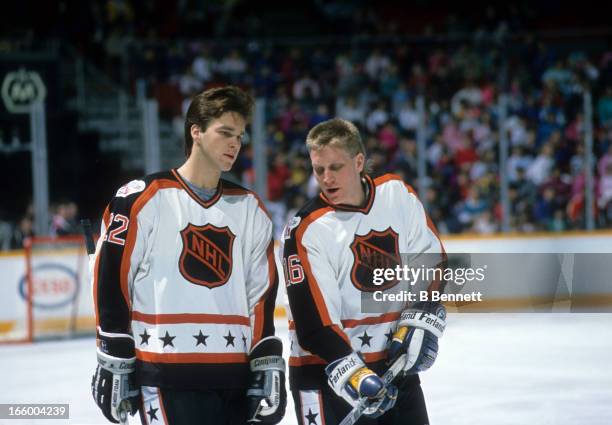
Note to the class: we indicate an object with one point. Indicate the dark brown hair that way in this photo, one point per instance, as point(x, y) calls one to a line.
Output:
point(213, 103)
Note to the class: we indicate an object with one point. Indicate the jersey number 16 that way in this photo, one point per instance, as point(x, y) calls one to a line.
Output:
point(294, 272)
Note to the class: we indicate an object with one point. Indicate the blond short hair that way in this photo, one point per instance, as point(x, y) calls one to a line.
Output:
point(337, 133)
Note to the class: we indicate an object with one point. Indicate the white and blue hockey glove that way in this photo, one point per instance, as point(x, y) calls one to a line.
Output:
point(418, 330)
point(267, 396)
point(112, 385)
point(352, 380)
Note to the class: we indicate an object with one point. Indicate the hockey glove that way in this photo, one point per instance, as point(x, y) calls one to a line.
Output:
point(352, 380)
point(417, 334)
point(267, 396)
point(112, 385)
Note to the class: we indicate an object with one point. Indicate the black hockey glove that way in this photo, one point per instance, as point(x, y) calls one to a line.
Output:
point(418, 330)
point(112, 385)
point(267, 396)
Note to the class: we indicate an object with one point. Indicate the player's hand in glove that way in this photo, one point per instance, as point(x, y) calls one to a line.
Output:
point(266, 396)
point(112, 385)
point(352, 380)
point(417, 334)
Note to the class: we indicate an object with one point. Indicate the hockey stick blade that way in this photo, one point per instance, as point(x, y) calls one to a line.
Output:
point(388, 377)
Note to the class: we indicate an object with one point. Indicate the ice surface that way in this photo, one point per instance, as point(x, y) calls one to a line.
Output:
point(493, 369)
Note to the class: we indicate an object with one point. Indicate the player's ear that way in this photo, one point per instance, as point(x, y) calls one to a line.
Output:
point(359, 161)
point(195, 132)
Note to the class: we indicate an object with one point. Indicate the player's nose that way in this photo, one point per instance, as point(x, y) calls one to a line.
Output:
point(328, 177)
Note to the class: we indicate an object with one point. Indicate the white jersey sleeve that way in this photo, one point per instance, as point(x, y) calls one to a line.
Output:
point(262, 279)
point(313, 290)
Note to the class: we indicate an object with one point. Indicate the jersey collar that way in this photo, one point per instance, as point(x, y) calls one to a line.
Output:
point(370, 193)
point(195, 197)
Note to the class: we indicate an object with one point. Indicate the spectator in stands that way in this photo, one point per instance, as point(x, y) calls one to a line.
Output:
point(265, 82)
point(453, 137)
point(469, 96)
point(466, 155)
point(518, 159)
point(389, 81)
point(408, 117)
point(545, 208)
point(321, 114)
point(63, 221)
point(24, 229)
point(558, 74)
point(388, 139)
point(484, 223)
point(348, 109)
point(377, 117)
point(278, 177)
point(558, 223)
point(527, 191)
point(405, 159)
point(233, 67)
point(189, 84)
point(604, 200)
point(203, 65)
point(304, 83)
point(540, 169)
point(376, 64)
point(471, 208)
point(604, 107)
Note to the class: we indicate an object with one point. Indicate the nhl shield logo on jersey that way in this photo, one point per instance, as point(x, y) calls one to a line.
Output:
point(374, 251)
point(206, 258)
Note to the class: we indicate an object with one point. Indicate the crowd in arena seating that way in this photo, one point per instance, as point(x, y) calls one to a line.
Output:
point(375, 83)
point(376, 87)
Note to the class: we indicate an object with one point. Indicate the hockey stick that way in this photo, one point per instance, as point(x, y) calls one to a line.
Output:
point(124, 406)
point(388, 377)
point(89, 240)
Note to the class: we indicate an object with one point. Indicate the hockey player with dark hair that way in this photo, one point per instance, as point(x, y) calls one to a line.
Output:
point(338, 352)
point(184, 286)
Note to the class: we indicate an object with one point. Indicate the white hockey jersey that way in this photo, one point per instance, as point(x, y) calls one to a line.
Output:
point(327, 259)
point(194, 282)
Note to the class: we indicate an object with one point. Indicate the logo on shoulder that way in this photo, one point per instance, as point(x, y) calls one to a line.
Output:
point(134, 186)
point(292, 224)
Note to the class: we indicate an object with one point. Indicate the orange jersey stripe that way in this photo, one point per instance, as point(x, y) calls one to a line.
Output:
point(312, 282)
point(162, 408)
point(309, 360)
point(216, 358)
point(322, 409)
point(259, 308)
point(177, 319)
point(387, 177)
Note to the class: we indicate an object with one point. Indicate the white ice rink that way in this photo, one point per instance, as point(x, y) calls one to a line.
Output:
point(493, 369)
